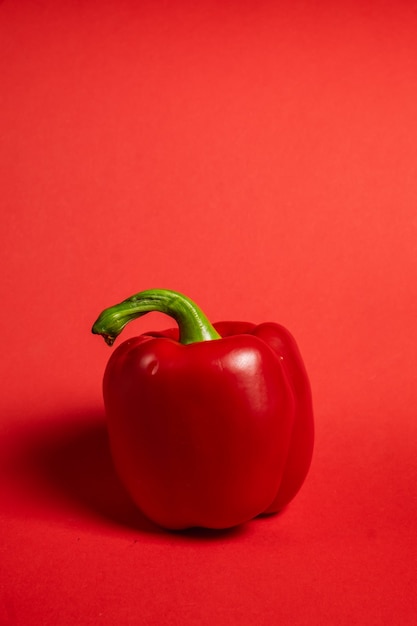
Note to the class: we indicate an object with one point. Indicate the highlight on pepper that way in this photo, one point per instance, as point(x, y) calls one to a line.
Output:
point(210, 425)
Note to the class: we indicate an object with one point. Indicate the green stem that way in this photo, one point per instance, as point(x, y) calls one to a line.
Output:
point(193, 324)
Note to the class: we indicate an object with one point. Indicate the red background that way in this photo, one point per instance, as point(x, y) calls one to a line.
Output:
point(261, 157)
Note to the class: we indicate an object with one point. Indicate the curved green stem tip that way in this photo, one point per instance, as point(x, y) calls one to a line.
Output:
point(193, 324)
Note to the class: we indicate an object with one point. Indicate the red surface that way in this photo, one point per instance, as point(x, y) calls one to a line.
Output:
point(261, 157)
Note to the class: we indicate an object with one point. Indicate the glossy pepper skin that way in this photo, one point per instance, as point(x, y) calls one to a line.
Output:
point(209, 425)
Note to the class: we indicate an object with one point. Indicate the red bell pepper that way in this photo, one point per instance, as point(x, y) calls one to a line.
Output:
point(209, 426)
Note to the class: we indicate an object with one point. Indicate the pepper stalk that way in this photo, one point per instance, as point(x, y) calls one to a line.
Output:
point(192, 322)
